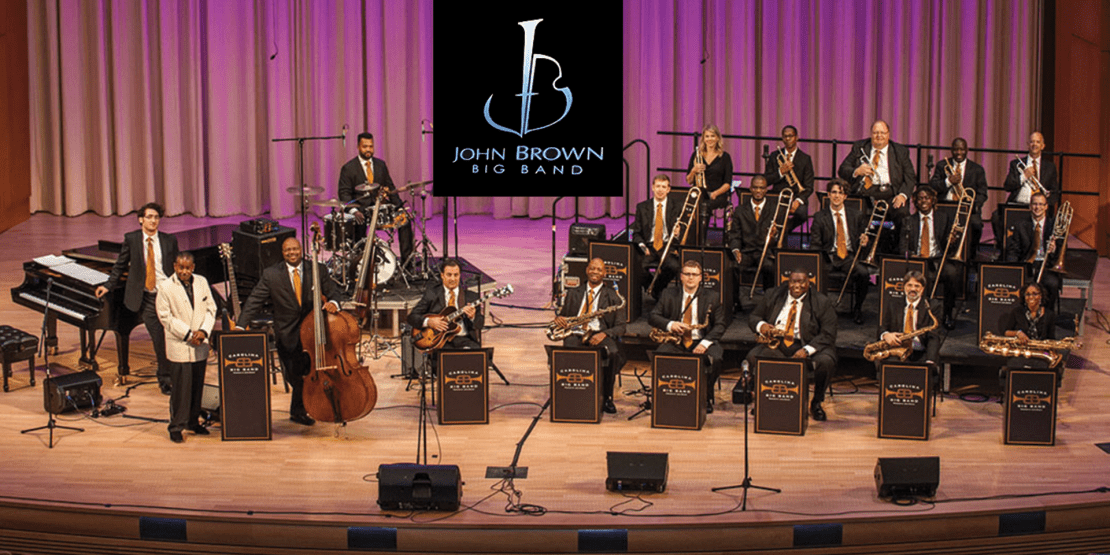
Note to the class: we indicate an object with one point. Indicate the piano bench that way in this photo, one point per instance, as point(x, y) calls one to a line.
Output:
point(17, 345)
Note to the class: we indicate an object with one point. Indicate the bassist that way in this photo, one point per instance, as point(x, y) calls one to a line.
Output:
point(437, 297)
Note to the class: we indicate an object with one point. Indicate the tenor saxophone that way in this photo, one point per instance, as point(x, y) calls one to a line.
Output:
point(879, 350)
point(576, 325)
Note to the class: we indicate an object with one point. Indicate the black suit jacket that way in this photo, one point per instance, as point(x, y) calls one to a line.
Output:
point(895, 319)
point(822, 234)
point(902, 177)
point(817, 323)
point(131, 259)
point(975, 177)
point(352, 175)
point(1049, 179)
point(1015, 320)
point(433, 302)
point(911, 234)
point(612, 324)
point(669, 309)
point(642, 228)
point(1022, 244)
point(744, 232)
point(803, 169)
point(276, 287)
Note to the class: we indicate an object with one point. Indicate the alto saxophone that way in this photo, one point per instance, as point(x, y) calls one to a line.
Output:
point(772, 340)
point(576, 325)
point(1050, 350)
point(879, 350)
point(663, 336)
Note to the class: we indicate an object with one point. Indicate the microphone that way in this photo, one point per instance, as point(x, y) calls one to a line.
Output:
point(929, 164)
point(744, 372)
point(344, 136)
point(766, 151)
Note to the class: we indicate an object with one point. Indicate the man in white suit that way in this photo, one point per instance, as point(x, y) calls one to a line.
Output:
point(187, 312)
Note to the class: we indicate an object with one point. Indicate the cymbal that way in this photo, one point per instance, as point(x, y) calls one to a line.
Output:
point(410, 186)
point(308, 190)
point(330, 203)
point(367, 187)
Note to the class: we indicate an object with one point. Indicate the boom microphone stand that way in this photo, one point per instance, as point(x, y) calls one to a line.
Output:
point(747, 483)
point(300, 164)
point(45, 352)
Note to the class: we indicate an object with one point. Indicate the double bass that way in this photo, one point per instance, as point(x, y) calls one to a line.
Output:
point(337, 388)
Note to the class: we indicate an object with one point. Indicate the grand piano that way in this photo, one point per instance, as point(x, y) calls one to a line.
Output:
point(72, 281)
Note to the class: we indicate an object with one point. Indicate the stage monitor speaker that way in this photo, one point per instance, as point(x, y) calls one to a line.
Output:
point(71, 392)
point(636, 471)
point(254, 252)
point(418, 487)
point(582, 234)
point(907, 476)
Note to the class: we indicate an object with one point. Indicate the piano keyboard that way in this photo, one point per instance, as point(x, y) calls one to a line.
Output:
point(54, 306)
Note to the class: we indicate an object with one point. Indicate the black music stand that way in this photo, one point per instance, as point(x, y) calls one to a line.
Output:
point(747, 484)
point(45, 352)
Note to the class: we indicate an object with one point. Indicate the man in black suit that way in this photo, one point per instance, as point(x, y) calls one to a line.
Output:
point(602, 331)
point(881, 170)
point(1028, 175)
point(655, 219)
point(147, 256)
point(747, 234)
point(680, 311)
point(1029, 243)
point(288, 286)
point(839, 231)
point(779, 166)
point(364, 168)
point(894, 324)
point(925, 235)
point(437, 297)
point(809, 323)
point(958, 173)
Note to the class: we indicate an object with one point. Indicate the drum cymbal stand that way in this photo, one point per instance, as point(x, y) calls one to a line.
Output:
point(424, 246)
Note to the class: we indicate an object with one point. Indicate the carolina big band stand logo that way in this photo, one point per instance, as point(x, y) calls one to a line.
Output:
point(529, 108)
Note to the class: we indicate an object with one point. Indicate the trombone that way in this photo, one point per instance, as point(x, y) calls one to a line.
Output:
point(1037, 188)
point(1060, 230)
point(791, 177)
point(786, 198)
point(878, 218)
point(958, 234)
point(682, 224)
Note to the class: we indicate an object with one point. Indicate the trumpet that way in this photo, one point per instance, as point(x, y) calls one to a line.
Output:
point(699, 178)
point(879, 350)
point(878, 217)
point(576, 325)
point(682, 224)
point(950, 167)
point(1060, 231)
point(957, 235)
point(1050, 350)
point(786, 198)
point(791, 177)
point(1037, 188)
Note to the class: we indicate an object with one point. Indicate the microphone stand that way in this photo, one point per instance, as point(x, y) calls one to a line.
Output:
point(300, 164)
point(747, 483)
point(45, 352)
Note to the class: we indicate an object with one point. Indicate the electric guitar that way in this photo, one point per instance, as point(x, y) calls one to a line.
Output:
point(427, 339)
point(234, 306)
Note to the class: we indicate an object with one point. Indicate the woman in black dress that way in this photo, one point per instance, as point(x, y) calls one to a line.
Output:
point(1030, 320)
point(717, 169)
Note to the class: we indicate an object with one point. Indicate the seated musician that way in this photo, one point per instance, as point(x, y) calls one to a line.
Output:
point(838, 231)
point(1028, 242)
point(880, 169)
point(1027, 175)
point(902, 319)
point(288, 286)
point(806, 325)
point(697, 315)
point(428, 313)
point(792, 159)
point(364, 168)
point(955, 174)
point(747, 234)
point(602, 331)
point(655, 219)
point(1030, 320)
point(925, 235)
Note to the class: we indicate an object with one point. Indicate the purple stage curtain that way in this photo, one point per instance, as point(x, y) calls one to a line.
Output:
point(178, 101)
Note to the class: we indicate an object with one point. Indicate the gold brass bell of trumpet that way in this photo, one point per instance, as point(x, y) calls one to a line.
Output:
point(1037, 188)
point(880, 350)
point(878, 217)
point(1051, 350)
point(1060, 231)
point(957, 234)
point(782, 211)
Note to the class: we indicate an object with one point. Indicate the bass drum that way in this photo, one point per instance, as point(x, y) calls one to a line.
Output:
point(385, 262)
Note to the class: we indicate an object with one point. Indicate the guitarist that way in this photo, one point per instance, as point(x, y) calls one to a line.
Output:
point(602, 331)
point(437, 297)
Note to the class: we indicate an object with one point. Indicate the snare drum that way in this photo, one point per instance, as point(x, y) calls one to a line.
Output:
point(339, 236)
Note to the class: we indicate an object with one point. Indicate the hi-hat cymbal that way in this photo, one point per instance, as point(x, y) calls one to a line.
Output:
point(410, 186)
point(308, 190)
point(367, 187)
point(330, 203)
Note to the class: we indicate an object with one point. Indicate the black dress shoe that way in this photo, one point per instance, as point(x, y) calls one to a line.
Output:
point(199, 430)
point(709, 408)
point(949, 323)
point(857, 316)
point(302, 418)
point(176, 437)
point(818, 412)
point(608, 407)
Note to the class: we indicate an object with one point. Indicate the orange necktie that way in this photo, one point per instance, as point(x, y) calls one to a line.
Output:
point(297, 285)
point(1037, 231)
point(688, 337)
point(841, 237)
point(788, 339)
point(926, 232)
point(151, 273)
point(589, 303)
point(370, 171)
point(867, 181)
point(757, 213)
point(657, 242)
point(908, 326)
point(451, 299)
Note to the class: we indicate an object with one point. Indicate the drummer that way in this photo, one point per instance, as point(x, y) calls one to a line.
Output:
point(364, 169)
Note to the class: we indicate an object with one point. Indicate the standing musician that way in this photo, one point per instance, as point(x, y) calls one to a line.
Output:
point(925, 235)
point(1029, 243)
point(677, 311)
point(955, 173)
point(881, 170)
point(779, 167)
point(839, 231)
point(747, 233)
point(1030, 320)
point(905, 318)
point(188, 313)
point(364, 168)
point(717, 169)
point(288, 285)
point(655, 219)
point(602, 331)
point(808, 324)
point(438, 296)
point(147, 256)
point(1026, 176)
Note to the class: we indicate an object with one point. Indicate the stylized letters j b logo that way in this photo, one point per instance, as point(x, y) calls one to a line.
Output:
point(526, 93)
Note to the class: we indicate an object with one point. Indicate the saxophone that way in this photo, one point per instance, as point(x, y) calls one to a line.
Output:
point(1050, 350)
point(576, 325)
point(879, 350)
point(663, 336)
point(772, 340)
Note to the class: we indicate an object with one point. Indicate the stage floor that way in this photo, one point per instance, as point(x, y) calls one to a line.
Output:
point(308, 488)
